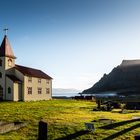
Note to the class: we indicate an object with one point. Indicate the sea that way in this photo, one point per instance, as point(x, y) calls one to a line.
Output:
point(64, 94)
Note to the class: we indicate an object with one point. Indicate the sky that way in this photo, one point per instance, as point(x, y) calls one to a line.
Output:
point(74, 41)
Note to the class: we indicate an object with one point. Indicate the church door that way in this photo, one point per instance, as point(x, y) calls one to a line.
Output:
point(1, 93)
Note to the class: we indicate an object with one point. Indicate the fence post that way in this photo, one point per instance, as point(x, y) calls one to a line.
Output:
point(42, 134)
point(137, 137)
point(99, 104)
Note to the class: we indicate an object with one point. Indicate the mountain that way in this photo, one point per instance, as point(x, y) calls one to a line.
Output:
point(125, 79)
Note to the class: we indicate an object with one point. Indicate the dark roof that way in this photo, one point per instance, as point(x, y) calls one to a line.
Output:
point(32, 72)
point(14, 78)
point(5, 48)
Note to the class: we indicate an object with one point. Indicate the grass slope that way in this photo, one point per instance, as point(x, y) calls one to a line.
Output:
point(66, 120)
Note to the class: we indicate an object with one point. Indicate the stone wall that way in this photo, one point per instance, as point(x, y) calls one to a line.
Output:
point(7, 127)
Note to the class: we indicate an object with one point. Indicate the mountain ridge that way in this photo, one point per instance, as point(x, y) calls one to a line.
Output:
point(124, 77)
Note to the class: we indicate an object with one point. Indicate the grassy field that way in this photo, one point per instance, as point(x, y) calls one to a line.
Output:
point(66, 120)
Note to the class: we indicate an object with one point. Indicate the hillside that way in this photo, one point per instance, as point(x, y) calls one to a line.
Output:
point(123, 78)
point(66, 121)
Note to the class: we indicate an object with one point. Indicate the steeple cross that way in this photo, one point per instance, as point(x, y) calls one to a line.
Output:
point(5, 30)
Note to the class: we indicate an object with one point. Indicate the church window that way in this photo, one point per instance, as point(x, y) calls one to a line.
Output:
point(0, 75)
point(1, 91)
point(29, 90)
point(47, 91)
point(47, 81)
point(39, 80)
point(0, 62)
point(29, 79)
point(1, 88)
point(9, 90)
point(10, 62)
point(39, 90)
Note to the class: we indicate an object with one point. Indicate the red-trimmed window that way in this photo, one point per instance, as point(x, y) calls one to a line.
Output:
point(9, 90)
point(29, 90)
point(47, 81)
point(39, 90)
point(30, 79)
point(10, 62)
point(39, 80)
point(47, 91)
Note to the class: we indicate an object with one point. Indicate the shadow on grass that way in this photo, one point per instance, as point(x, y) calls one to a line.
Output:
point(122, 132)
point(114, 125)
point(73, 136)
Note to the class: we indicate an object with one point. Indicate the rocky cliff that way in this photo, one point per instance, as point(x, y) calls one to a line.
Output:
point(124, 78)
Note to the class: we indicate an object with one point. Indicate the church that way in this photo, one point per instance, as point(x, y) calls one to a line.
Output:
point(20, 83)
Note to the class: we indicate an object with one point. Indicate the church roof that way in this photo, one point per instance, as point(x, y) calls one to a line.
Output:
point(32, 72)
point(14, 78)
point(5, 48)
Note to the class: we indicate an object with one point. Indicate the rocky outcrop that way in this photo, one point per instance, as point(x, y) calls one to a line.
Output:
point(124, 78)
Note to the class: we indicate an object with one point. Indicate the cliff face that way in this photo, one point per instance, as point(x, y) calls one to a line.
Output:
point(125, 77)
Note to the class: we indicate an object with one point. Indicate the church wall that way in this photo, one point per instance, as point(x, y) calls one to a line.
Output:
point(6, 68)
point(50, 87)
point(20, 76)
point(9, 64)
point(2, 81)
point(10, 71)
point(20, 92)
point(16, 92)
point(9, 83)
point(35, 85)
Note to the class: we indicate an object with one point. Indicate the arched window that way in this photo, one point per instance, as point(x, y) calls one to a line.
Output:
point(0, 62)
point(1, 91)
point(9, 90)
point(10, 62)
point(1, 87)
point(0, 75)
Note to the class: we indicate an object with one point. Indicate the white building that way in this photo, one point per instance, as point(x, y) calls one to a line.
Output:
point(19, 82)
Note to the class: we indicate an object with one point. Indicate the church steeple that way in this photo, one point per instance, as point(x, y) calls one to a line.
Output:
point(5, 49)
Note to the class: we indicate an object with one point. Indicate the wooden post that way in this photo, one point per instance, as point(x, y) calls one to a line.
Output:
point(137, 137)
point(99, 104)
point(89, 126)
point(42, 134)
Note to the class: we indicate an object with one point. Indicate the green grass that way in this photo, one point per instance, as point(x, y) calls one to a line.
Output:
point(66, 120)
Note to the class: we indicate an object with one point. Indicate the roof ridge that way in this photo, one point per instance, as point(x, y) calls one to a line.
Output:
point(5, 48)
point(27, 67)
point(32, 72)
point(13, 78)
